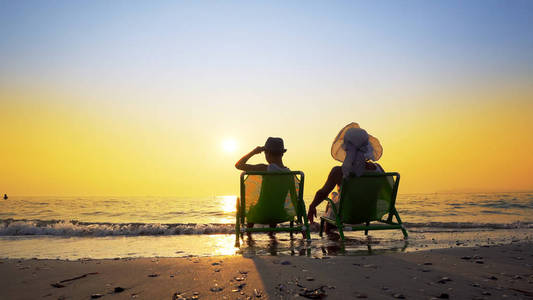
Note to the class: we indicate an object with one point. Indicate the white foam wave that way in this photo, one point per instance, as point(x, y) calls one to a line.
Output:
point(11, 227)
point(73, 228)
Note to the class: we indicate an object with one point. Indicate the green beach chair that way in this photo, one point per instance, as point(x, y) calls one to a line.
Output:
point(271, 198)
point(366, 199)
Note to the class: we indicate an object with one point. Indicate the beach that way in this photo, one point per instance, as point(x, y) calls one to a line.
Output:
point(486, 272)
point(460, 246)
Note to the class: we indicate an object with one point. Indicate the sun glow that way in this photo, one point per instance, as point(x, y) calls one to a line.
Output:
point(228, 204)
point(229, 145)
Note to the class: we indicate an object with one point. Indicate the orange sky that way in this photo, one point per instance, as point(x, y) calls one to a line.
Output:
point(63, 147)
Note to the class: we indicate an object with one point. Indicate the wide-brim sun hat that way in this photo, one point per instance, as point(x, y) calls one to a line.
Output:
point(338, 153)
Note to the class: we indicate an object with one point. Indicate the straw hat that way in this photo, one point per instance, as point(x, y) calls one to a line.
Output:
point(338, 153)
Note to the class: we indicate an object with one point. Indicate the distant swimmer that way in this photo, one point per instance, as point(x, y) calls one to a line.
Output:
point(5, 196)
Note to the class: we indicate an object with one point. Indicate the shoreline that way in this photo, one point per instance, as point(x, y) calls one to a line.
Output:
point(205, 245)
point(483, 272)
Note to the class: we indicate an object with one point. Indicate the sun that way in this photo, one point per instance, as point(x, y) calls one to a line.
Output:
point(229, 145)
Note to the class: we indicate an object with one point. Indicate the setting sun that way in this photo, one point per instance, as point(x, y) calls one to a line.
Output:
point(229, 145)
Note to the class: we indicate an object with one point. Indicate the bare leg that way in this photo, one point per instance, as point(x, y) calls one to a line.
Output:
point(331, 234)
point(249, 234)
point(272, 234)
point(329, 227)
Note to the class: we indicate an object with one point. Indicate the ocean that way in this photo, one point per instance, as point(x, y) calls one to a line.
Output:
point(111, 227)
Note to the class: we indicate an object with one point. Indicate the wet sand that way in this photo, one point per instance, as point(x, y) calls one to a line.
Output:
point(491, 272)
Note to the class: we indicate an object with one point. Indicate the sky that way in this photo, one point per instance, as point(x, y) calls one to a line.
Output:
point(143, 98)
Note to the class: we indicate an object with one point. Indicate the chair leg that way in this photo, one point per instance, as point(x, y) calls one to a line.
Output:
point(291, 225)
point(341, 232)
point(405, 235)
point(366, 230)
point(307, 231)
point(340, 227)
point(237, 226)
point(321, 227)
point(248, 232)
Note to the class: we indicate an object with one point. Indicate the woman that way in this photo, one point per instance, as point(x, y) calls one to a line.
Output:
point(357, 150)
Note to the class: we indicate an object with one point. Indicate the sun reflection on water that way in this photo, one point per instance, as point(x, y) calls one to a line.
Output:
point(224, 245)
point(228, 203)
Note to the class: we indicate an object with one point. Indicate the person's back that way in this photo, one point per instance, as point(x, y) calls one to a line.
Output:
point(335, 179)
point(364, 198)
point(276, 192)
point(273, 167)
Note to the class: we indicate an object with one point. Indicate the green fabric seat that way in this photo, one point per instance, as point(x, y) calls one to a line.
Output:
point(270, 206)
point(271, 198)
point(365, 199)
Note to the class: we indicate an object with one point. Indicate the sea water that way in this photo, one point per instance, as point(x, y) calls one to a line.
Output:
point(109, 227)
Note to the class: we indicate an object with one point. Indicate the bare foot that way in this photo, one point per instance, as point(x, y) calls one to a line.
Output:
point(250, 241)
point(333, 236)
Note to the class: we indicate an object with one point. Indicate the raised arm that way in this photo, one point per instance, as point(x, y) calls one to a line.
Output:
point(334, 178)
point(243, 166)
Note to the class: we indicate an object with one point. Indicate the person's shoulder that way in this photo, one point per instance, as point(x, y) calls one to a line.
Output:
point(275, 168)
point(377, 167)
point(255, 168)
point(336, 174)
point(336, 170)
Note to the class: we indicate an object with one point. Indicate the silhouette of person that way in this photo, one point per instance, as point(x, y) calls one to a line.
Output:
point(359, 154)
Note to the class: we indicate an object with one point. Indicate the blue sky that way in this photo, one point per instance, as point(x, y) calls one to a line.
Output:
point(214, 41)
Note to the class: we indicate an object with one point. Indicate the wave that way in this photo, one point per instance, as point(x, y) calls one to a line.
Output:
point(12, 227)
point(472, 225)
